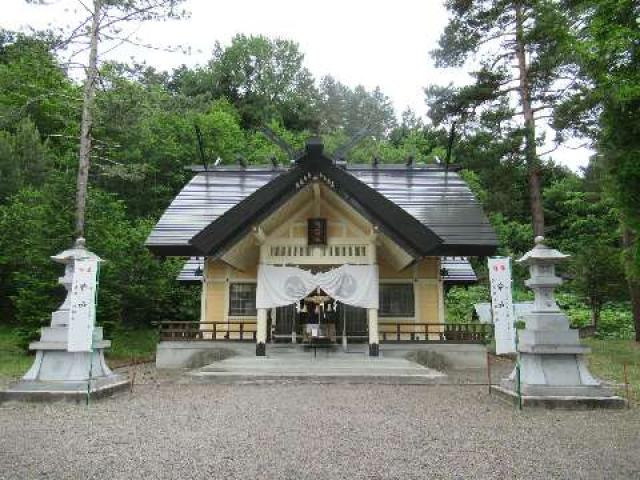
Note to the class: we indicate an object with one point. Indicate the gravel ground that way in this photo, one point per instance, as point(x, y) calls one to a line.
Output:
point(168, 431)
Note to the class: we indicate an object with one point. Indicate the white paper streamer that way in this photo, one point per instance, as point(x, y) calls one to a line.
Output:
point(355, 285)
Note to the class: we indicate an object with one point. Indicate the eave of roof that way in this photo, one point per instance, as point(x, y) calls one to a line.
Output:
point(457, 271)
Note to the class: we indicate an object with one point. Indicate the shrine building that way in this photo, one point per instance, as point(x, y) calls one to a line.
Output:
point(324, 253)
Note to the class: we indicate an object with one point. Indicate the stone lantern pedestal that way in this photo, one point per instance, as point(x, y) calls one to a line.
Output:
point(56, 372)
point(553, 367)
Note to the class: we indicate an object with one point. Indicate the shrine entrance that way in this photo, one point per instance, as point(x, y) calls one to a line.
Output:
point(292, 323)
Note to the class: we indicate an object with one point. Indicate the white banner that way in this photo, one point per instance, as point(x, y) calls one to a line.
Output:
point(502, 305)
point(83, 305)
point(355, 285)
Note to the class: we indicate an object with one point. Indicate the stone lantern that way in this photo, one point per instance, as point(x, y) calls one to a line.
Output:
point(553, 367)
point(56, 372)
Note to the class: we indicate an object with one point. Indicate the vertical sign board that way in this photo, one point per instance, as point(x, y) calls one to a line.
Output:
point(83, 305)
point(502, 305)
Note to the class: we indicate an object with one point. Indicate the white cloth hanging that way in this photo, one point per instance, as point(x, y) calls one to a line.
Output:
point(355, 285)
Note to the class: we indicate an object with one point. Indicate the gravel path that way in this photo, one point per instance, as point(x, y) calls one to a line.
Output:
point(170, 431)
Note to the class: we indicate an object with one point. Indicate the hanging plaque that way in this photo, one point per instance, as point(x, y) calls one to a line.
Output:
point(317, 231)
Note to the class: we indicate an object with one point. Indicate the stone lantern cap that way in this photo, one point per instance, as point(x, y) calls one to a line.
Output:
point(77, 252)
point(542, 254)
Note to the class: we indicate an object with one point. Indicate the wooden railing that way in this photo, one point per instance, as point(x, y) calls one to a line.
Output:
point(389, 332)
point(188, 331)
point(392, 332)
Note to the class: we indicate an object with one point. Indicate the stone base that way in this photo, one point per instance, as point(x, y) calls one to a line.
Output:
point(54, 363)
point(71, 391)
point(57, 374)
point(567, 398)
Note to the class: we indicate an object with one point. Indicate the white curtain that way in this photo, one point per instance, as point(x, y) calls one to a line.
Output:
point(355, 285)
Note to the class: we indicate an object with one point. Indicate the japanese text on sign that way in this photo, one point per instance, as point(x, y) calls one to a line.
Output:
point(83, 307)
point(502, 305)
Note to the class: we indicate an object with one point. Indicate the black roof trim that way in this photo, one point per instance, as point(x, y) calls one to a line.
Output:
point(467, 250)
point(239, 219)
point(172, 250)
point(392, 220)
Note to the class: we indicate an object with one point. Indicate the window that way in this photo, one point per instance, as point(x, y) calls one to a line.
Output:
point(397, 300)
point(242, 300)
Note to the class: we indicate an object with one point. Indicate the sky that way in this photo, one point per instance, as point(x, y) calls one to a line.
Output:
point(359, 42)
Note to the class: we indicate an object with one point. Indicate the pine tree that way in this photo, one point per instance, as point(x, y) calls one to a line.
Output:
point(104, 21)
point(515, 47)
point(607, 108)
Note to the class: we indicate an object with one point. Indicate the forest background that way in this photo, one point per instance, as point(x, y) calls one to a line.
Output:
point(581, 73)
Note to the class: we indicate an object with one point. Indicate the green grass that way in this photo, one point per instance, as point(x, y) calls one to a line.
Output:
point(138, 345)
point(14, 362)
point(607, 362)
point(127, 345)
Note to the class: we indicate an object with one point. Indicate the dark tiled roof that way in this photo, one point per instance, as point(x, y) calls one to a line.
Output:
point(458, 270)
point(192, 270)
point(207, 196)
point(439, 200)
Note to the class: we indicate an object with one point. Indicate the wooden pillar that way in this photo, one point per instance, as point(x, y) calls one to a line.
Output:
point(261, 333)
point(203, 299)
point(372, 313)
point(373, 332)
point(294, 325)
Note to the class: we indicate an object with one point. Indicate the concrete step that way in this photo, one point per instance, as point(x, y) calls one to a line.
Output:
point(301, 367)
point(232, 378)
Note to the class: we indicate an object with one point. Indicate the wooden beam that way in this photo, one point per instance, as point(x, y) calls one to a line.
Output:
point(243, 255)
point(316, 198)
point(396, 256)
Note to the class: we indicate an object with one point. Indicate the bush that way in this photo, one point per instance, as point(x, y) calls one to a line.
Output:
point(135, 288)
point(459, 302)
point(616, 322)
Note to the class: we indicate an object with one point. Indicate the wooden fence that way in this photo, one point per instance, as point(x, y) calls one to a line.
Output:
point(244, 331)
point(389, 332)
point(403, 332)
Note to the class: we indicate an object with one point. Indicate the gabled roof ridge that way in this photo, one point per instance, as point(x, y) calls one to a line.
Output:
point(440, 203)
point(417, 238)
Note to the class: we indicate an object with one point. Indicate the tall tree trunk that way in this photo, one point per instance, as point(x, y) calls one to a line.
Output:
point(628, 239)
point(595, 312)
point(87, 122)
point(634, 293)
point(531, 155)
